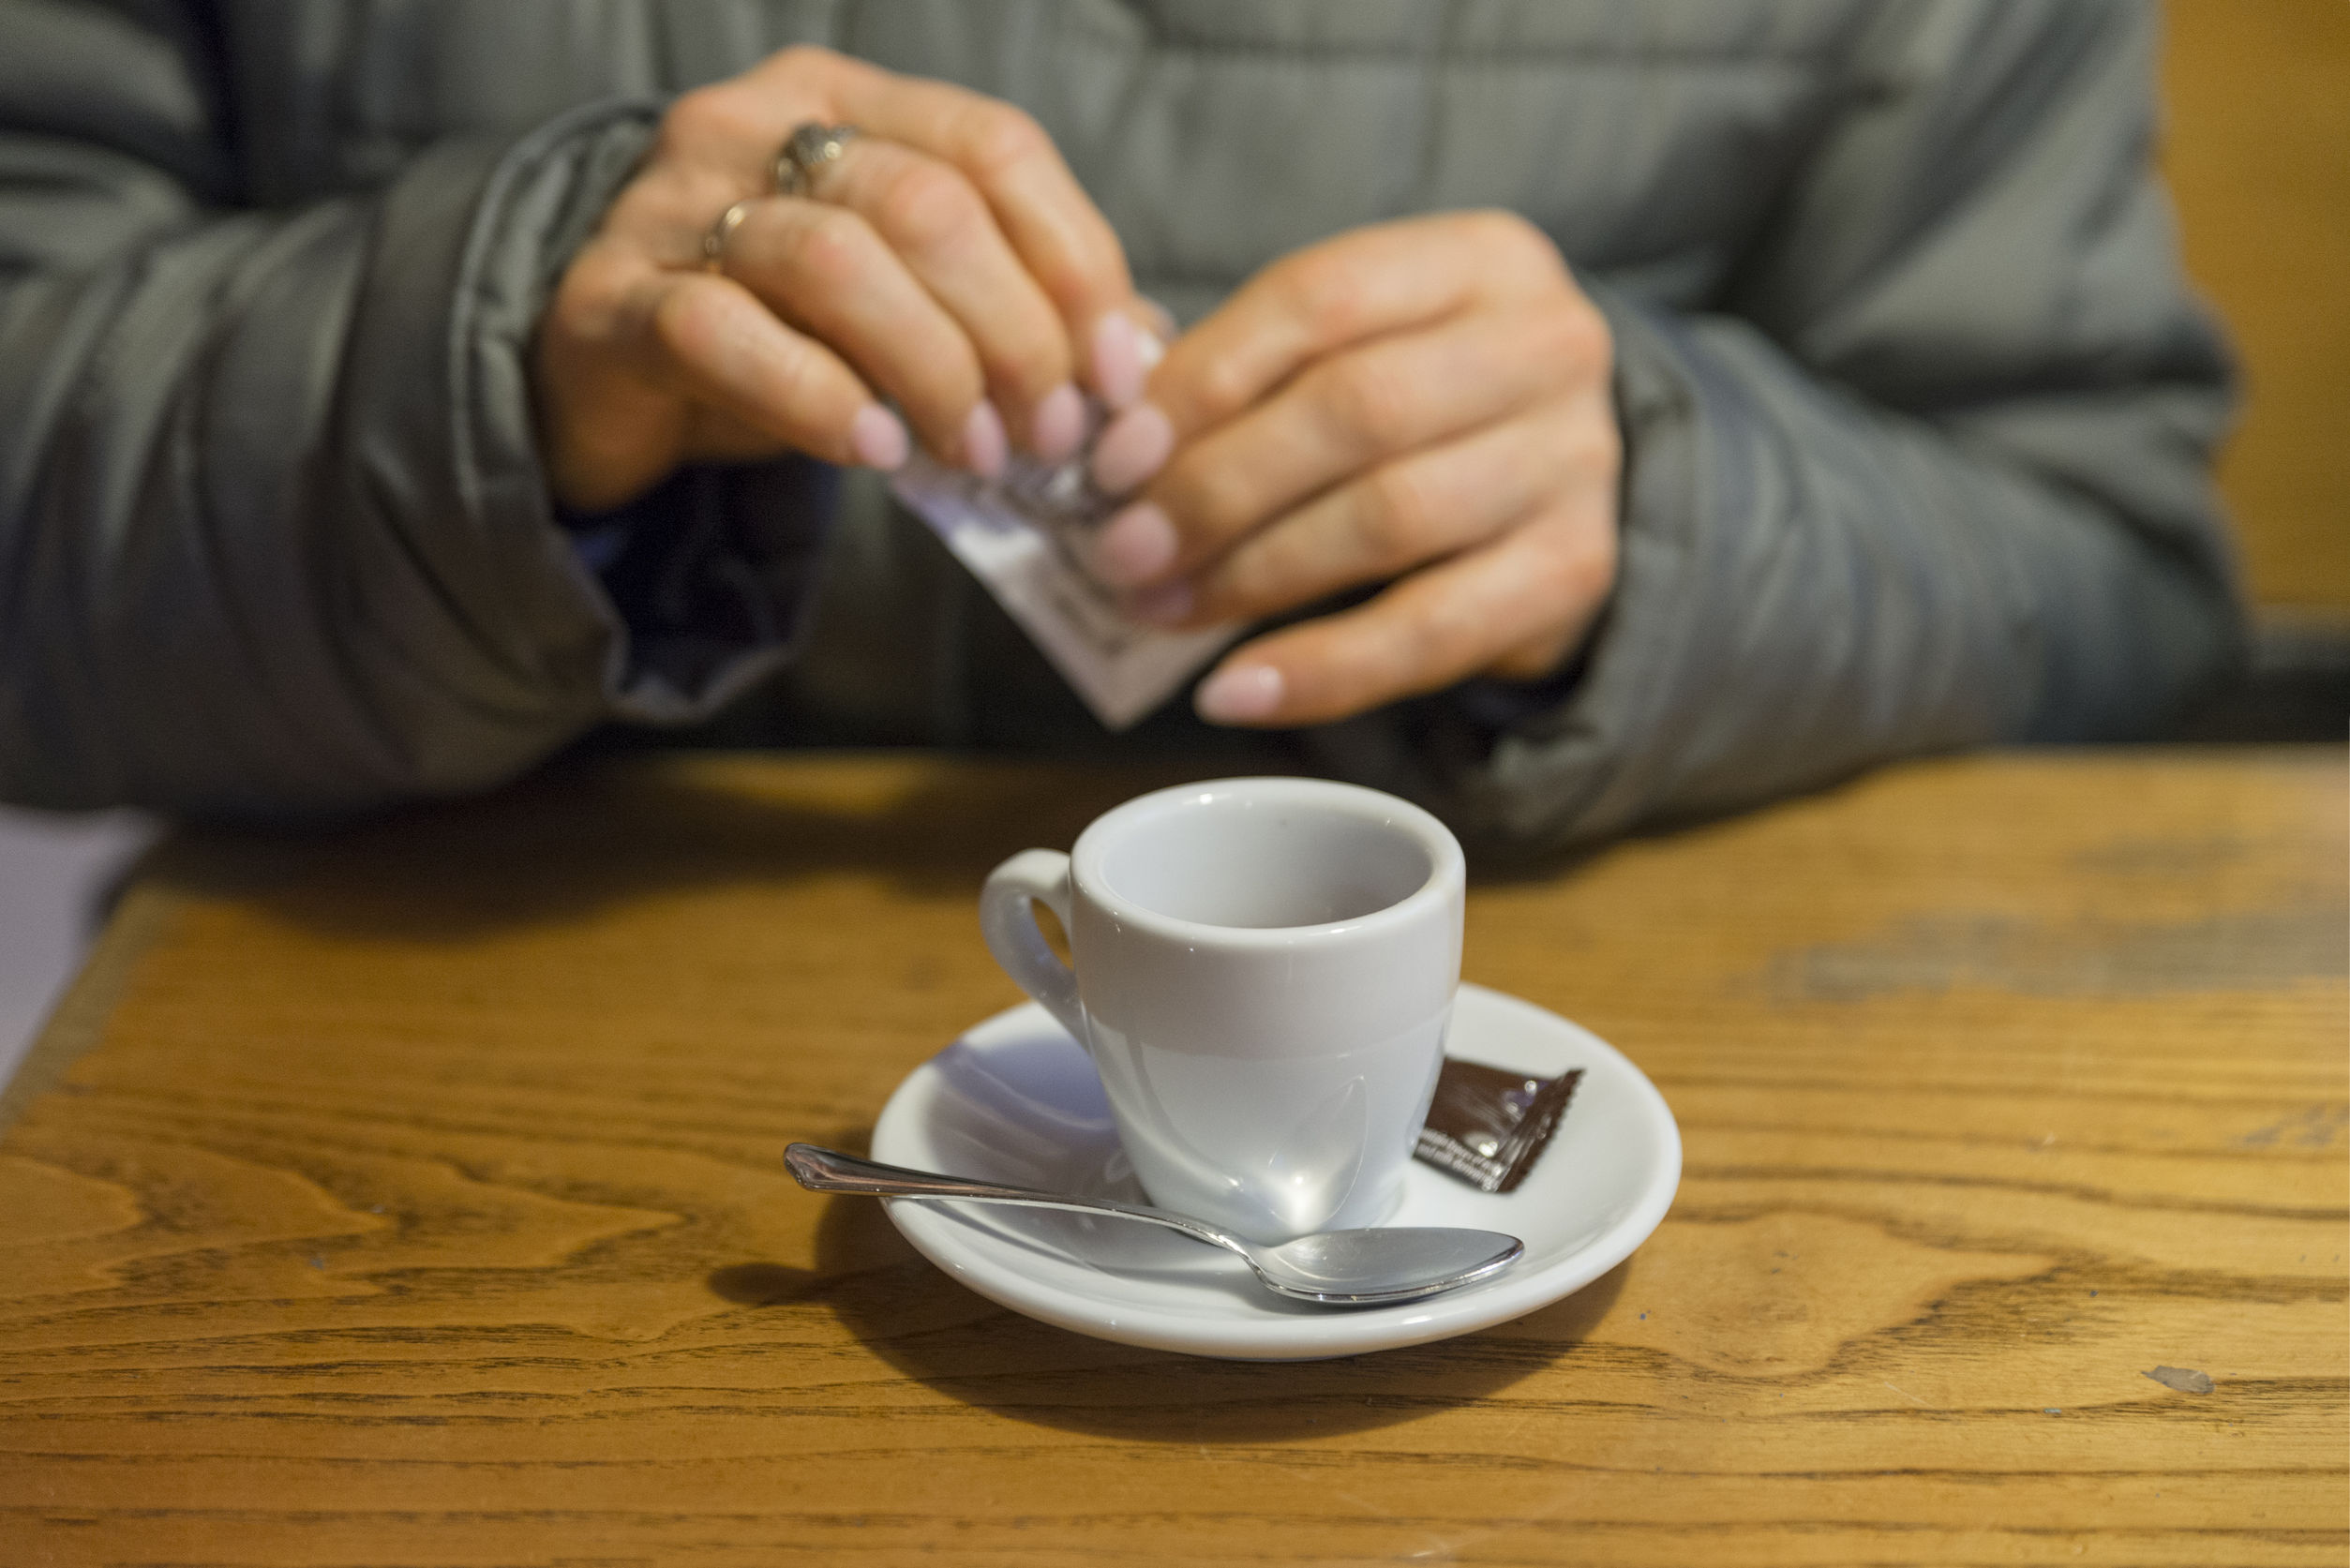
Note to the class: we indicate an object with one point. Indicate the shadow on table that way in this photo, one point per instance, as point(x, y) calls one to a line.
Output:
point(937, 1332)
point(585, 836)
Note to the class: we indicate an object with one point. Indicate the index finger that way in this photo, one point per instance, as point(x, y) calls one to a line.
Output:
point(1365, 283)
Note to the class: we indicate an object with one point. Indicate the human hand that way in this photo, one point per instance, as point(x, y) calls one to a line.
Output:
point(952, 264)
point(1423, 403)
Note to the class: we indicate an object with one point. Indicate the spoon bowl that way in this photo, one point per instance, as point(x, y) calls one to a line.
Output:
point(1374, 1268)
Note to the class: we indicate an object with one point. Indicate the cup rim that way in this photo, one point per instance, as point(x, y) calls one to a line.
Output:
point(1447, 866)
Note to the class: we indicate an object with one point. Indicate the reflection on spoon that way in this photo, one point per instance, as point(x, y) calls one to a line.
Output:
point(1336, 1268)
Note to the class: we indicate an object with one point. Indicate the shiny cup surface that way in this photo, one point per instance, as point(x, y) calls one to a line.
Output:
point(1263, 973)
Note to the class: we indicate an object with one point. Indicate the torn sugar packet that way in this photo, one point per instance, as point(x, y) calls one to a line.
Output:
point(1020, 535)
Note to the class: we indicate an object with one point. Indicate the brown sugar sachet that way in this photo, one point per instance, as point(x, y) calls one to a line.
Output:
point(1488, 1125)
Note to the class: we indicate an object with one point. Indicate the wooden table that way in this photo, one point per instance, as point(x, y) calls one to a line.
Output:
point(412, 1196)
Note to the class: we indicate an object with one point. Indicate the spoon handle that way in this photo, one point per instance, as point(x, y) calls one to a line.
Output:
point(830, 1170)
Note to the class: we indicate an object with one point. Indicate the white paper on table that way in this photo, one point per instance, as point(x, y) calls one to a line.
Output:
point(1019, 534)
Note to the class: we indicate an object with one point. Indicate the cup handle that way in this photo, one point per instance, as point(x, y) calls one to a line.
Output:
point(1008, 921)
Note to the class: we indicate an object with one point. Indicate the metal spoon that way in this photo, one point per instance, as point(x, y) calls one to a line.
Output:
point(1336, 1268)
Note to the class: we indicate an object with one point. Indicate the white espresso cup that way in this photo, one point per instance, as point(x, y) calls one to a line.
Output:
point(1265, 969)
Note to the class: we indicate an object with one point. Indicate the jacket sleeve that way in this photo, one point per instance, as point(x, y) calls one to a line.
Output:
point(274, 539)
point(1935, 474)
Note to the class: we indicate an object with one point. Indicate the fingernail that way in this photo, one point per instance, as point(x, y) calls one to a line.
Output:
point(1238, 694)
point(985, 447)
point(1133, 449)
point(1161, 319)
point(1059, 425)
point(1118, 362)
point(878, 439)
point(1168, 605)
point(1134, 546)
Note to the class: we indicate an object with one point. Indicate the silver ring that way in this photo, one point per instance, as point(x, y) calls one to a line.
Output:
point(807, 153)
point(714, 242)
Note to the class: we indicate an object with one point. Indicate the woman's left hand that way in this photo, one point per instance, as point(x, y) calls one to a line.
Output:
point(1424, 404)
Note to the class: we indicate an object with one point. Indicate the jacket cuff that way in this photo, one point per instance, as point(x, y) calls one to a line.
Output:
point(707, 580)
point(658, 613)
point(1545, 764)
point(1568, 773)
point(502, 644)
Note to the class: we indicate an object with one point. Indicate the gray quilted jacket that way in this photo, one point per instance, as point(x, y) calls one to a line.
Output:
point(1918, 410)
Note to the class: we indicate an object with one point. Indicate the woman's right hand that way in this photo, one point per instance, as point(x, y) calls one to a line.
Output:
point(947, 262)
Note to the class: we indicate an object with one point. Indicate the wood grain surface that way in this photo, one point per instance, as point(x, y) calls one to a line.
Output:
point(412, 1196)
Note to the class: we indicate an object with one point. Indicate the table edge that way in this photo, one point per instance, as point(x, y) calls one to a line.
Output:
point(77, 1021)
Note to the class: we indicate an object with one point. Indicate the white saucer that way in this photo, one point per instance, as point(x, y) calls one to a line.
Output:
point(1016, 1100)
